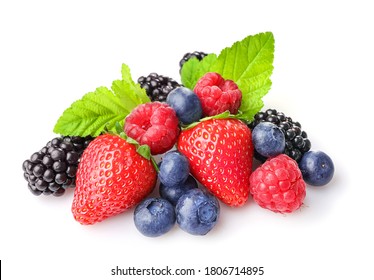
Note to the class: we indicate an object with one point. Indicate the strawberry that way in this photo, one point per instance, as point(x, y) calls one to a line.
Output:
point(111, 178)
point(220, 153)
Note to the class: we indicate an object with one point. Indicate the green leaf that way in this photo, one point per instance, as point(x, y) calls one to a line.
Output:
point(129, 92)
point(95, 112)
point(194, 69)
point(249, 63)
point(100, 110)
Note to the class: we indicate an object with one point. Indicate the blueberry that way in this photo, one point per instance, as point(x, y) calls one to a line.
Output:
point(186, 104)
point(197, 212)
point(174, 169)
point(173, 193)
point(154, 217)
point(317, 168)
point(268, 139)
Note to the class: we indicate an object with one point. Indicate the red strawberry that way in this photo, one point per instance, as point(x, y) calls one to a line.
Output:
point(111, 178)
point(220, 153)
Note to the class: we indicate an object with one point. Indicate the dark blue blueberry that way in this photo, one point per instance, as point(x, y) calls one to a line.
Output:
point(268, 139)
point(173, 193)
point(197, 212)
point(186, 105)
point(174, 169)
point(154, 216)
point(317, 168)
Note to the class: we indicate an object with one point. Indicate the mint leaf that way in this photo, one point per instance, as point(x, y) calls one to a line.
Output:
point(194, 69)
point(95, 112)
point(100, 110)
point(129, 92)
point(249, 63)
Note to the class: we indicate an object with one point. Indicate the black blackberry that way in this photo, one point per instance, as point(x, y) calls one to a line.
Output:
point(52, 170)
point(188, 56)
point(297, 142)
point(157, 86)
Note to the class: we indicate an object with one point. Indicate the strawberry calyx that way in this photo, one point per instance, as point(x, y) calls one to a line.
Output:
point(224, 115)
point(143, 150)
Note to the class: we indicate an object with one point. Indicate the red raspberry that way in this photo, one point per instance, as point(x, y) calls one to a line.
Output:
point(154, 124)
point(218, 95)
point(278, 185)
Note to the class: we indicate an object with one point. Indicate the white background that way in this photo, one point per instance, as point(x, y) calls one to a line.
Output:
point(51, 53)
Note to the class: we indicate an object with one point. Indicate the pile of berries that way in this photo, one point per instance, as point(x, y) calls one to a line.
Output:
point(204, 160)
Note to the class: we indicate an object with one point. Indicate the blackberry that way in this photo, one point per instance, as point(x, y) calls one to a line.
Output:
point(297, 142)
point(157, 86)
point(188, 56)
point(52, 169)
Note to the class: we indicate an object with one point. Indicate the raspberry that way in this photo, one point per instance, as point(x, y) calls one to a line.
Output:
point(278, 185)
point(218, 95)
point(297, 142)
point(188, 56)
point(154, 124)
point(157, 86)
point(52, 169)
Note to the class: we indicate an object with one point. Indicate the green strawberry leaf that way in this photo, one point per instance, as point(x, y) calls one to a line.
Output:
point(249, 63)
point(100, 110)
